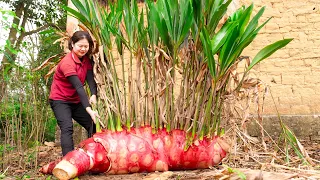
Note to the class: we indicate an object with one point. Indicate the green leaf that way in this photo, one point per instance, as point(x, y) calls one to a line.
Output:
point(237, 14)
point(152, 28)
point(253, 24)
point(240, 47)
point(216, 15)
point(244, 19)
point(119, 42)
point(219, 39)
point(82, 10)
point(268, 51)
point(89, 12)
point(142, 32)
point(206, 43)
point(197, 8)
point(186, 20)
point(77, 15)
point(162, 28)
point(8, 12)
point(216, 4)
point(10, 48)
point(165, 14)
point(48, 31)
point(239, 173)
point(247, 40)
point(292, 140)
point(227, 50)
point(261, 26)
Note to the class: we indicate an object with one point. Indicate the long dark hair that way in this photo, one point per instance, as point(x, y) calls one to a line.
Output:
point(77, 36)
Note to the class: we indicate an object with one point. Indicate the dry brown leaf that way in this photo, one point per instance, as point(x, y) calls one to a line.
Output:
point(47, 61)
point(50, 144)
point(19, 171)
point(43, 154)
point(51, 71)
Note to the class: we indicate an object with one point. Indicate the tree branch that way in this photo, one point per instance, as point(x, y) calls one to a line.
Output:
point(24, 34)
point(35, 31)
point(41, 28)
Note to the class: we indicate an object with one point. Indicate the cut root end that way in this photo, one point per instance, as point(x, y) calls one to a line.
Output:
point(65, 170)
point(224, 145)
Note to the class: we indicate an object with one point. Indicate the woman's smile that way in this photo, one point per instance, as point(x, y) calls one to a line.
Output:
point(81, 47)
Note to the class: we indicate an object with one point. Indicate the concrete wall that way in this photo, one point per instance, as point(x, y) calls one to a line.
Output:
point(303, 126)
point(293, 73)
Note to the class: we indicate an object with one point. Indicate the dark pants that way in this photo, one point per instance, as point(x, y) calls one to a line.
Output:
point(64, 113)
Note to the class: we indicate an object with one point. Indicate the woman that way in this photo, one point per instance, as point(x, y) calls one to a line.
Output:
point(67, 98)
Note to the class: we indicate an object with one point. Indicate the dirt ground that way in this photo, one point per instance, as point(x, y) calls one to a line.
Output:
point(241, 166)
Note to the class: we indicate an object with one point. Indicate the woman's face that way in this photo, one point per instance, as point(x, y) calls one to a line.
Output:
point(81, 47)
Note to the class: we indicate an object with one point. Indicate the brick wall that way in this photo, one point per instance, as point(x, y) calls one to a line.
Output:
point(293, 73)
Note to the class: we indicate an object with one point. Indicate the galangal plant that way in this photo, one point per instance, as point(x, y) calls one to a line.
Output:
point(164, 70)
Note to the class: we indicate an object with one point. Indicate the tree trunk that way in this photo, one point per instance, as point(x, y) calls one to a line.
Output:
point(9, 57)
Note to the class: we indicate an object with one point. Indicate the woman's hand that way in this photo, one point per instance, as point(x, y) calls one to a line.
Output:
point(93, 114)
point(93, 100)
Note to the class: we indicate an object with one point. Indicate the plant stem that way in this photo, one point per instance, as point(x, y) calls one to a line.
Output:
point(124, 88)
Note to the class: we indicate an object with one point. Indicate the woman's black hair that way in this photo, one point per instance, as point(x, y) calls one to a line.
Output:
point(77, 36)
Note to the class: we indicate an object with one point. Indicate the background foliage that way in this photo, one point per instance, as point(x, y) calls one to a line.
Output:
point(26, 119)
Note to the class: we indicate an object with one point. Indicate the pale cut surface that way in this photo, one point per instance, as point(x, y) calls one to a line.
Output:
point(65, 170)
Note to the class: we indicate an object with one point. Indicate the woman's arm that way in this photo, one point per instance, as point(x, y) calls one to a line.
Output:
point(93, 87)
point(76, 83)
point(92, 84)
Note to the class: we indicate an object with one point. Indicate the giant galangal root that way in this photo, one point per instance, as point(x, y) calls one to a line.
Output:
point(138, 150)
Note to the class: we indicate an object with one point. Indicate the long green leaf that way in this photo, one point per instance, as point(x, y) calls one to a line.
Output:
point(216, 4)
point(152, 30)
point(161, 25)
point(87, 6)
point(244, 19)
point(253, 24)
point(78, 16)
point(80, 8)
point(219, 39)
point(228, 49)
point(241, 46)
point(268, 51)
point(197, 9)
point(204, 36)
point(261, 26)
point(237, 14)
point(186, 20)
point(165, 12)
point(248, 40)
point(215, 17)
